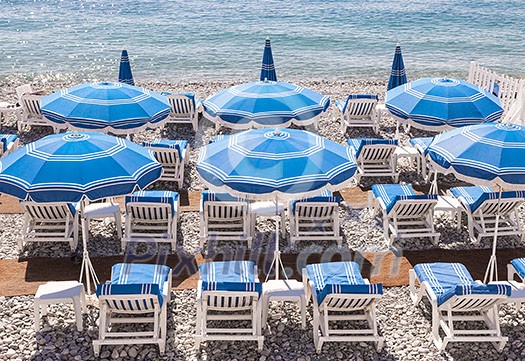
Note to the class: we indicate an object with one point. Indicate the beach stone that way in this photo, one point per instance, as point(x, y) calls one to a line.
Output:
point(133, 352)
point(115, 354)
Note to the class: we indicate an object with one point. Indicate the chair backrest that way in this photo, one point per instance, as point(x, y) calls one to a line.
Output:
point(471, 303)
point(316, 210)
point(131, 303)
point(349, 302)
point(360, 108)
point(225, 210)
point(506, 88)
point(181, 105)
point(376, 153)
point(47, 211)
point(31, 104)
point(149, 211)
point(504, 206)
point(23, 89)
point(413, 208)
point(166, 156)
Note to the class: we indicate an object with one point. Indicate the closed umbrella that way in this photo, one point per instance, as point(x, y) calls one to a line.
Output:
point(268, 68)
point(398, 74)
point(124, 73)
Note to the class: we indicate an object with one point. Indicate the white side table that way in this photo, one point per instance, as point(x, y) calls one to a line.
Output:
point(403, 151)
point(449, 204)
point(284, 290)
point(6, 108)
point(266, 209)
point(53, 293)
point(101, 211)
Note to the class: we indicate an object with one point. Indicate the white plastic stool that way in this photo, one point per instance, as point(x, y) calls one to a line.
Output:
point(266, 209)
point(53, 293)
point(101, 211)
point(283, 290)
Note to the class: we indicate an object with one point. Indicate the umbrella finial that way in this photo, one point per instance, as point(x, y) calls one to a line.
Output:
point(266, 80)
point(277, 132)
point(267, 37)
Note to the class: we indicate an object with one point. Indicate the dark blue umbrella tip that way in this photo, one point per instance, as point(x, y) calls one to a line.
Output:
point(268, 67)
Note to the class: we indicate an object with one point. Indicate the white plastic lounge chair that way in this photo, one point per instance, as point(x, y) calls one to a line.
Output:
point(228, 291)
point(454, 296)
point(185, 109)
point(340, 293)
point(359, 110)
point(481, 205)
point(173, 155)
point(30, 103)
point(375, 157)
point(151, 216)
point(315, 219)
point(405, 213)
point(8, 143)
point(136, 294)
point(224, 218)
point(517, 267)
point(49, 222)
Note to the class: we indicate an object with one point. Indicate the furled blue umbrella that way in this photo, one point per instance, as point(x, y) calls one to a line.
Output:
point(71, 167)
point(114, 107)
point(264, 104)
point(490, 154)
point(124, 73)
point(268, 68)
point(398, 74)
point(438, 104)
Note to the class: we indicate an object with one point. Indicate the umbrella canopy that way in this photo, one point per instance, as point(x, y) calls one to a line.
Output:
point(438, 104)
point(265, 104)
point(272, 163)
point(69, 167)
point(124, 73)
point(268, 68)
point(398, 74)
point(484, 154)
point(115, 107)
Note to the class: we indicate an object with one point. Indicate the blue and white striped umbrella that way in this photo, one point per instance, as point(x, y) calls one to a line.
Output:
point(115, 107)
point(270, 163)
point(265, 104)
point(398, 74)
point(268, 68)
point(124, 74)
point(484, 154)
point(69, 167)
point(438, 104)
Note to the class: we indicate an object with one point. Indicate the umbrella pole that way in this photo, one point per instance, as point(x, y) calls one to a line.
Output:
point(277, 253)
point(491, 274)
point(434, 184)
point(87, 266)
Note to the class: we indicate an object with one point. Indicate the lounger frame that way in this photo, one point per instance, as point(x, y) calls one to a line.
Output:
point(378, 160)
point(360, 113)
point(31, 114)
point(461, 308)
point(172, 164)
point(183, 110)
point(315, 221)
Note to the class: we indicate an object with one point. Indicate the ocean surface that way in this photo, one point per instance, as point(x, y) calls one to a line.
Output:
point(223, 40)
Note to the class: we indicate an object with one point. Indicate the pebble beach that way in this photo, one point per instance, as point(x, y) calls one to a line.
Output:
point(406, 328)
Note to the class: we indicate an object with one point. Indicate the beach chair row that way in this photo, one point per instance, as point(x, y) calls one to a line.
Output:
point(339, 295)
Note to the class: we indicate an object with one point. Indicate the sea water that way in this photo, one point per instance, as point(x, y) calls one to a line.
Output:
point(223, 40)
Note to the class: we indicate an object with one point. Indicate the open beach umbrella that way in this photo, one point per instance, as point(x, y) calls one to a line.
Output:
point(264, 104)
point(110, 107)
point(491, 154)
point(268, 68)
point(398, 74)
point(273, 164)
point(124, 73)
point(438, 104)
point(71, 167)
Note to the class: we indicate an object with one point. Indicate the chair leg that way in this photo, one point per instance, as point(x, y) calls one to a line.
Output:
point(77, 305)
point(118, 224)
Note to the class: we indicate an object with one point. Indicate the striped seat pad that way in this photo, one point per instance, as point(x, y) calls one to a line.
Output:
point(389, 194)
point(7, 139)
point(342, 105)
point(421, 143)
point(135, 279)
point(165, 197)
point(180, 145)
point(210, 196)
point(357, 143)
point(519, 265)
point(229, 276)
point(474, 196)
point(325, 196)
point(453, 279)
point(339, 277)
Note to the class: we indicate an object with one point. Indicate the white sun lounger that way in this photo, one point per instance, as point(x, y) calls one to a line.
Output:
point(173, 155)
point(185, 109)
point(30, 103)
point(359, 110)
point(375, 157)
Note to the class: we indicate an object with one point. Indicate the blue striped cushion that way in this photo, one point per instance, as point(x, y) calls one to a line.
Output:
point(7, 139)
point(325, 196)
point(474, 196)
point(229, 276)
point(342, 105)
point(453, 279)
point(519, 265)
point(391, 193)
point(339, 277)
point(211, 196)
point(358, 143)
point(180, 145)
point(136, 278)
point(422, 143)
point(168, 197)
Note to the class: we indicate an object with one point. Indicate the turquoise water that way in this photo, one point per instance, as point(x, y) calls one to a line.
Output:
point(185, 40)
